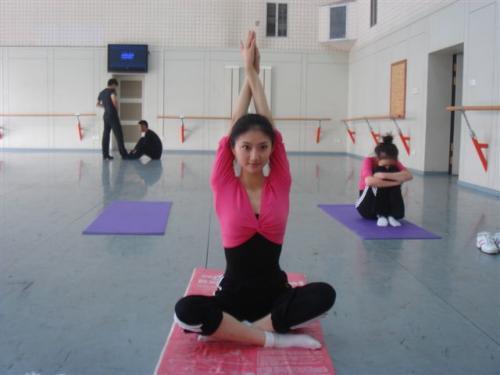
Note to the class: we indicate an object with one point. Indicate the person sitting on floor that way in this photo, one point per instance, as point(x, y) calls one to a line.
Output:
point(149, 144)
point(380, 185)
point(254, 303)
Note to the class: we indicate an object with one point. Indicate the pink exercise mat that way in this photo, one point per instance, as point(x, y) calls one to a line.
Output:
point(184, 354)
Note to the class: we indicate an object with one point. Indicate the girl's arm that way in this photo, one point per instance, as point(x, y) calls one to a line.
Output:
point(252, 64)
point(242, 103)
point(400, 177)
point(378, 182)
point(259, 96)
point(222, 169)
point(280, 168)
point(245, 96)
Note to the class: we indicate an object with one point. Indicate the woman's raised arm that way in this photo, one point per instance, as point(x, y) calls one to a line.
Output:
point(252, 74)
point(245, 96)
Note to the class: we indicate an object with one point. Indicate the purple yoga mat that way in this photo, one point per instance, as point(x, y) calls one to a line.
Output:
point(129, 217)
point(368, 230)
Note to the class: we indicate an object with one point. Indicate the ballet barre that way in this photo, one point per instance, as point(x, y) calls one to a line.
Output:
point(405, 139)
point(183, 118)
point(77, 115)
point(478, 146)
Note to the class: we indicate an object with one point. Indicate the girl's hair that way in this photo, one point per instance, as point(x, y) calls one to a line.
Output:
point(249, 122)
point(387, 148)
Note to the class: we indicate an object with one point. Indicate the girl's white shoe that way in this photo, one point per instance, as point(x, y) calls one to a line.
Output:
point(382, 221)
point(486, 243)
point(393, 222)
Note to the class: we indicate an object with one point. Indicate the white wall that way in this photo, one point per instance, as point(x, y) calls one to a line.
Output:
point(161, 23)
point(482, 87)
point(369, 91)
point(476, 25)
point(392, 15)
point(179, 81)
point(303, 85)
point(48, 80)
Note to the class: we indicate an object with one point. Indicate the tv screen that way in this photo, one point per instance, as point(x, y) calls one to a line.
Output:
point(127, 58)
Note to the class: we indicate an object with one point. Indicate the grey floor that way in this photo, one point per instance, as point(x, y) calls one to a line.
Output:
point(73, 304)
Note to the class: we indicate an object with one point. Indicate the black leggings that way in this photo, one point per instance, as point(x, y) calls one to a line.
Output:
point(253, 287)
point(288, 306)
point(381, 201)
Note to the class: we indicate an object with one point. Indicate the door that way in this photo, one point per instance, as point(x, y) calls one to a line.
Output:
point(130, 98)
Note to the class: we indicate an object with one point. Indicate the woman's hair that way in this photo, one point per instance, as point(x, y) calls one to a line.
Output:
point(250, 122)
point(387, 148)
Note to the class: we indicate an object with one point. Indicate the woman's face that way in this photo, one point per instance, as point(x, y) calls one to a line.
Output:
point(252, 151)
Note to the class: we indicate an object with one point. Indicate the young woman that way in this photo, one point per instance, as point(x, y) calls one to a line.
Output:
point(253, 303)
point(380, 185)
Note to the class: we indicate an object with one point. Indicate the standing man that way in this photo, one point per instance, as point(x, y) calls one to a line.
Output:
point(107, 99)
point(149, 144)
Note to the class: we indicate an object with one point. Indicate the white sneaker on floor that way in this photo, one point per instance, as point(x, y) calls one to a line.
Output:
point(382, 221)
point(480, 237)
point(393, 222)
point(486, 243)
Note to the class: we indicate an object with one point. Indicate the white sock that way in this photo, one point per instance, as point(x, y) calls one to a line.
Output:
point(278, 340)
point(394, 222)
point(382, 221)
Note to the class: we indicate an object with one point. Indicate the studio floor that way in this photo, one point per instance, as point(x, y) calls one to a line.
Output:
point(75, 304)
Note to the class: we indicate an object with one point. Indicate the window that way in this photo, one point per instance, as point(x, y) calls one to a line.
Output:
point(282, 19)
point(338, 22)
point(373, 13)
point(271, 19)
point(277, 19)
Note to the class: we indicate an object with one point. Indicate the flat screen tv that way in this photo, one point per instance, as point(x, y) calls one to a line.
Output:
point(128, 58)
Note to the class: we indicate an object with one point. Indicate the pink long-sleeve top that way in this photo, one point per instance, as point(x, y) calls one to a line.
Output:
point(237, 220)
point(367, 167)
